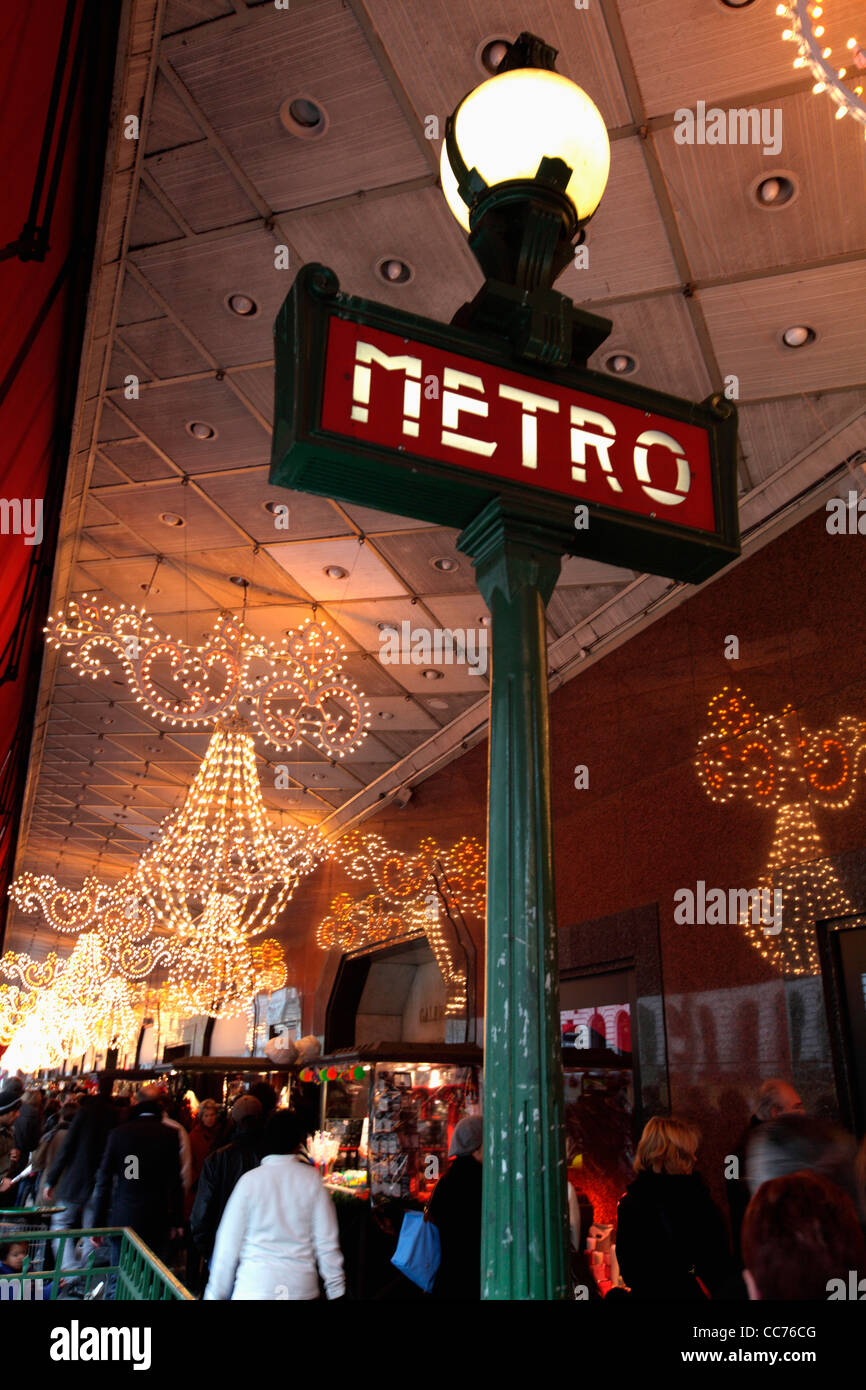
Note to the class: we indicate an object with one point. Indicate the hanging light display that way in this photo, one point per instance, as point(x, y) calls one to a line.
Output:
point(219, 873)
point(410, 892)
point(838, 66)
point(771, 762)
point(290, 692)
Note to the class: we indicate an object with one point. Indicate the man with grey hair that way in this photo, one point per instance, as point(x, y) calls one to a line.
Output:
point(775, 1097)
point(796, 1143)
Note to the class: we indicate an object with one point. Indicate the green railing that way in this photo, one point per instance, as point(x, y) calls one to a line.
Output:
point(138, 1275)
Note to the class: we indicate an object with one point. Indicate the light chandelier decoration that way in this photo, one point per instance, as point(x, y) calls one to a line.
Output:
point(290, 692)
point(17, 1000)
point(771, 762)
point(842, 83)
point(405, 902)
point(219, 872)
point(74, 1005)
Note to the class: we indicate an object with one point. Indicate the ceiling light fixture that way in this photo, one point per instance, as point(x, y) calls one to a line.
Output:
point(431, 674)
point(620, 363)
point(304, 117)
point(772, 192)
point(798, 335)
point(445, 564)
point(171, 519)
point(243, 305)
point(335, 572)
point(394, 271)
point(816, 53)
point(199, 430)
point(239, 580)
point(490, 54)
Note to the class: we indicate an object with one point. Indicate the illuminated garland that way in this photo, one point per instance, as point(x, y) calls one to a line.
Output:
point(814, 52)
point(771, 762)
point(405, 902)
point(291, 692)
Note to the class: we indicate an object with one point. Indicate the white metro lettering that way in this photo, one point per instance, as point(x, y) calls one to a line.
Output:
point(366, 353)
point(453, 403)
point(580, 438)
point(641, 467)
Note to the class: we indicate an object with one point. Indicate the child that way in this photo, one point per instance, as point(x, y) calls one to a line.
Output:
point(12, 1259)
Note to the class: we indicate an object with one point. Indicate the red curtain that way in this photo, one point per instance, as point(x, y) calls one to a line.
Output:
point(56, 64)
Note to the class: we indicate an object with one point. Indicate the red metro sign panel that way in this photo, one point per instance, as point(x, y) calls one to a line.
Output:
point(428, 420)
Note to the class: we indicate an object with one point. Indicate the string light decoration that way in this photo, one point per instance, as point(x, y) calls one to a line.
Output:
point(17, 1000)
point(405, 902)
point(771, 762)
point(289, 692)
point(806, 27)
point(85, 1005)
point(214, 970)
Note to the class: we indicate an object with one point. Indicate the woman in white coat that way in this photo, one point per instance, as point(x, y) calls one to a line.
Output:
point(279, 1227)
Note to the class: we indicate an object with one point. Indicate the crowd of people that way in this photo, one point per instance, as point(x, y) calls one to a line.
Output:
point(239, 1202)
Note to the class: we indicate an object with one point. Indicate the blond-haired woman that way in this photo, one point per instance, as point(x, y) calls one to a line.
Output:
point(671, 1241)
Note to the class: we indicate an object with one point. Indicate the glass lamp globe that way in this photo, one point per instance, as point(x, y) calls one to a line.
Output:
point(507, 125)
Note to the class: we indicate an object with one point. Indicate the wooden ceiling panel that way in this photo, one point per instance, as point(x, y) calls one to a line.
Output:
point(365, 574)
point(152, 224)
point(415, 227)
point(243, 497)
point(773, 433)
point(626, 243)
point(726, 233)
point(187, 14)
point(746, 322)
point(685, 51)
point(142, 510)
point(659, 334)
point(198, 279)
point(315, 50)
point(432, 45)
point(170, 122)
point(138, 461)
point(201, 186)
point(129, 581)
point(164, 413)
point(412, 555)
point(166, 350)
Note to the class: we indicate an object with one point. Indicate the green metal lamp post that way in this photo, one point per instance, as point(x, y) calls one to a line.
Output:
point(525, 161)
point(522, 230)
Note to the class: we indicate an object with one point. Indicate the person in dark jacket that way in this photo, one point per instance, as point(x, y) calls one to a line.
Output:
point(221, 1171)
point(26, 1133)
point(10, 1108)
point(776, 1097)
point(670, 1235)
point(69, 1178)
point(138, 1183)
point(455, 1210)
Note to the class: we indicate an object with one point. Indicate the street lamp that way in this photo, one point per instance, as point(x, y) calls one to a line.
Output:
point(524, 165)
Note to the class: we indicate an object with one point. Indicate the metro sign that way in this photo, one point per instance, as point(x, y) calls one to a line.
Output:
point(390, 411)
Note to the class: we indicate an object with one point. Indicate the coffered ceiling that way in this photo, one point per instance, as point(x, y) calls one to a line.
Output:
point(698, 278)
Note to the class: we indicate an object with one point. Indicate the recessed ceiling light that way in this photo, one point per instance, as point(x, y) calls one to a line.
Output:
point(199, 430)
point(272, 506)
point(335, 572)
point(153, 747)
point(385, 714)
point(438, 704)
point(304, 117)
point(772, 192)
point(104, 719)
point(736, 4)
point(490, 53)
point(798, 335)
point(484, 620)
point(431, 675)
point(445, 564)
point(242, 305)
point(318, 777)
point(171, 519)
point(239, 580)
point(620, 363)
point(147, 589)
point(387, 627)
point(394, 271)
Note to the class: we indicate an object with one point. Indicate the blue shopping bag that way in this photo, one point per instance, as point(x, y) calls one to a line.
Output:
point(418, 1252)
